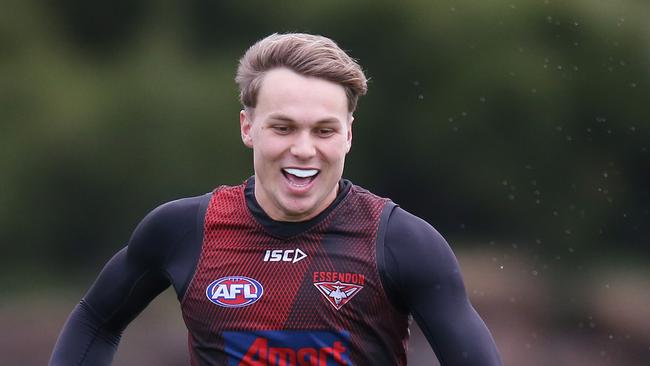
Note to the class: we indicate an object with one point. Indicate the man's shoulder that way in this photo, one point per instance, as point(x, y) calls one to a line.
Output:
point(166, 225)
point(407, 229)
point(174, 214)
point(363, 192)
point(178, 208)
point(180, 204)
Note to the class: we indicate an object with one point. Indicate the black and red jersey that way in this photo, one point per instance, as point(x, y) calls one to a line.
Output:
point(319, 301)
point(337, 289)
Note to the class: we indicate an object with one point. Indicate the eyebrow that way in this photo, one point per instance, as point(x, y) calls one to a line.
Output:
point(284, 118)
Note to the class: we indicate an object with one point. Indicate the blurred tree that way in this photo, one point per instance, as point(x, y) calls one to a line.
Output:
point(494, 120)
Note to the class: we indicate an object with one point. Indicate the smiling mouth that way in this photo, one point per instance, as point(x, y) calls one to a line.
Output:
point(300, 177)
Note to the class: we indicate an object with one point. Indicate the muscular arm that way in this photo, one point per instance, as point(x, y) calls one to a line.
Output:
point(424, 278)
point(128, 283)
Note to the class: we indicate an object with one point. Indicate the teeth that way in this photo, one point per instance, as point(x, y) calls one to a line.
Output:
point(301, 173)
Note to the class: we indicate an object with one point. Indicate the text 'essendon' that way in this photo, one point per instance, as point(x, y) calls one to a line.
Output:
point(355, 278)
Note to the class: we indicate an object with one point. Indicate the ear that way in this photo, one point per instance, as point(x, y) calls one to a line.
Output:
point(349, 136)
point(245, 125)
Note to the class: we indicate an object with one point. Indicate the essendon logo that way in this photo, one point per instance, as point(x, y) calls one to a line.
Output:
point(287, 348)
point(339, 287)
point(234, 292)
point(338, 293)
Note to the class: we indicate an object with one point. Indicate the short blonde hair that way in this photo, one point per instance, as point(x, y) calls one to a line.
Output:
point(306, 54)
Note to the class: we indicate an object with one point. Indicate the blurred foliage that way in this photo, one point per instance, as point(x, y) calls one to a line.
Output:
point(497, 121)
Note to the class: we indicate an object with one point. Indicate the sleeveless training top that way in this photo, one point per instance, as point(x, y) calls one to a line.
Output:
point(314, 298)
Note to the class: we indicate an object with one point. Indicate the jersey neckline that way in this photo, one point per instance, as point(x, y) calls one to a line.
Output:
point(285, 229)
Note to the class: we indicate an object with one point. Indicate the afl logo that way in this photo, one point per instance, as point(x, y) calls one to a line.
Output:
point(234, 291)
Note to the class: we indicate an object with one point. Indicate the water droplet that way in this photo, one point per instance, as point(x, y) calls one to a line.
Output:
point(605, 175)
point(420, 96)
point(482, 99)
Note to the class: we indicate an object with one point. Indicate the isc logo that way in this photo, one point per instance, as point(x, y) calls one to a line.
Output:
point(288, 255)
point(234, 292)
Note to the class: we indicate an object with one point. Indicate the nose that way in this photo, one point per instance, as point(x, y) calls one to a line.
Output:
point(303, 146)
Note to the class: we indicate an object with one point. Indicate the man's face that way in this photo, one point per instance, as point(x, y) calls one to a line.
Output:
point(300, 132)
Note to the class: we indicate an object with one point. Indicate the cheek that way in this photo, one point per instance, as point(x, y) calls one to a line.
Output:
point(268, 150)
point(336, 154)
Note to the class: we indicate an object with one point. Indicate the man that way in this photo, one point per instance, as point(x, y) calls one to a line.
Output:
point(296, 266)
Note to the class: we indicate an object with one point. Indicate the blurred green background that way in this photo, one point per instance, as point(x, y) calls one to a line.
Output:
point(519, 129)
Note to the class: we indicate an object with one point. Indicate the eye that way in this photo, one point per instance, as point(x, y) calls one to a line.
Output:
point(325, 132)
point(281, 129)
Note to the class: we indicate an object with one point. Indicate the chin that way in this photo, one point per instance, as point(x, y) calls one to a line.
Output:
point(297, 212)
